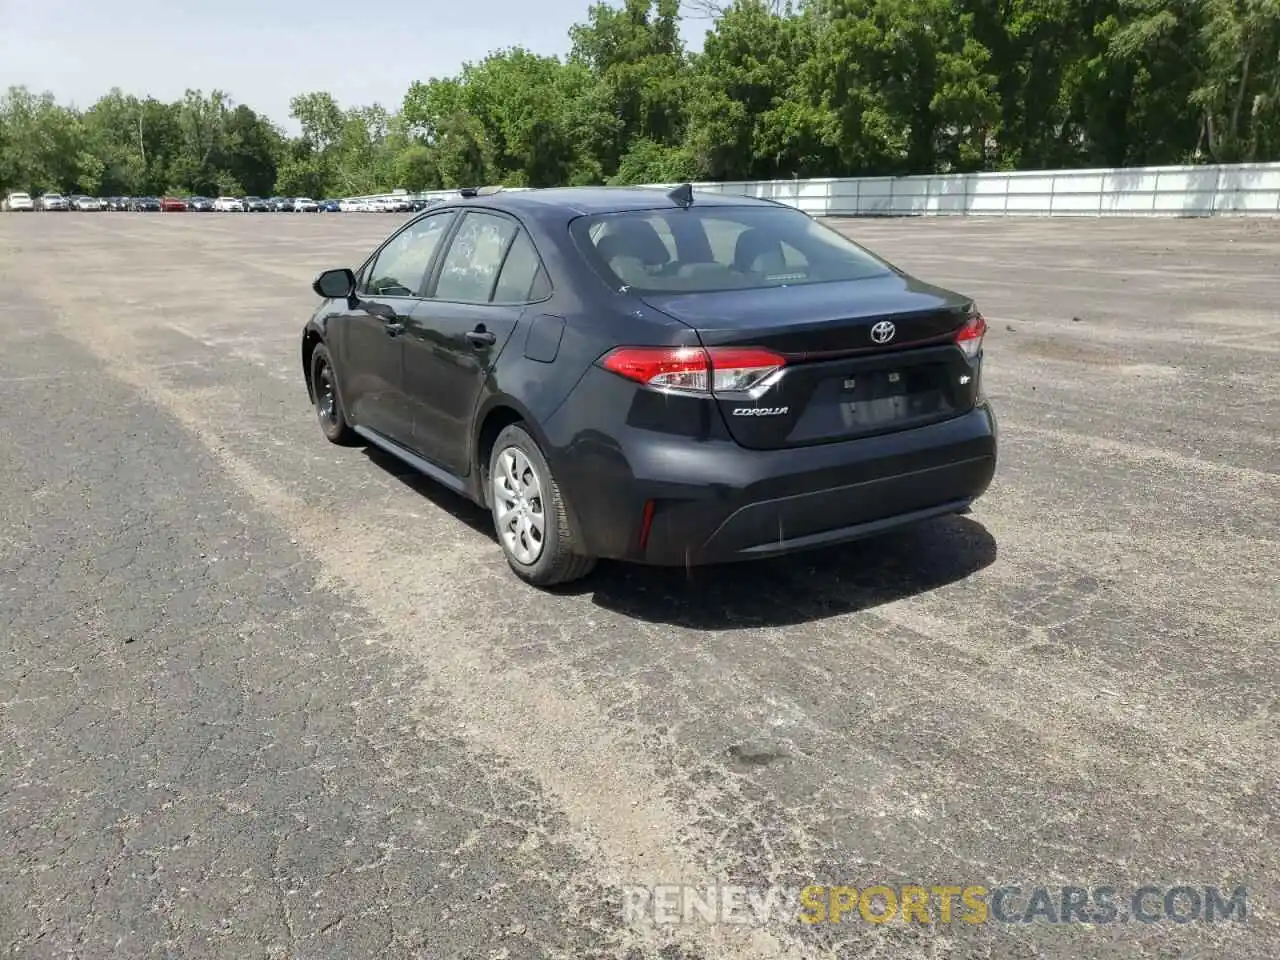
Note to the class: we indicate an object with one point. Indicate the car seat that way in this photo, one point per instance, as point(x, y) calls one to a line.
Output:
point(758, 252)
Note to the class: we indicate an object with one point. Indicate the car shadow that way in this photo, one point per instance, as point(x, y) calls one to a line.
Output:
point(800, 588)
point(782, 591)
point(455, 504)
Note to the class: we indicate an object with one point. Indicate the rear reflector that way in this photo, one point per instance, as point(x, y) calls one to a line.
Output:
point(969, 337)
point(646, 523)
point(693, 369)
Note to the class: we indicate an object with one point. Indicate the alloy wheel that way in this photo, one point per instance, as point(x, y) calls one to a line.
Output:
point(518, 510)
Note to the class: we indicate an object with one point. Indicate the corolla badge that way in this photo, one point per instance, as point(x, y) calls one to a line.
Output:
point(759, 411)
point(883, 331)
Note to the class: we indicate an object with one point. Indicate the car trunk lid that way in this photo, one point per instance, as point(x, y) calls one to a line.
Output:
point(861, 357)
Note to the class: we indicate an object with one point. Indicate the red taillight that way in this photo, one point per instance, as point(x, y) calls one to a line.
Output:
point(693, 369)
point(969, 337)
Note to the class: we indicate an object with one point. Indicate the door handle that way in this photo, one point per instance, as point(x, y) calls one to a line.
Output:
point(393, 327)
point(480, 337)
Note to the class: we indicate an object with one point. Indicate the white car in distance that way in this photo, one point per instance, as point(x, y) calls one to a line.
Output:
point(17, 200)
point(228, 205)
point(305, 205)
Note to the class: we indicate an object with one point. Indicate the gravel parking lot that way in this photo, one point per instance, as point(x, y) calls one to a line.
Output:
point(265, 697)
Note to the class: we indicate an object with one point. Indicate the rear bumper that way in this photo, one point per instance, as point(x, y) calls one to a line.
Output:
point(714, 501)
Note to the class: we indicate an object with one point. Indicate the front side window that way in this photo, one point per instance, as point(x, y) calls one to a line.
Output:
point(400, 268)
point(720, 248)
point(474, 258)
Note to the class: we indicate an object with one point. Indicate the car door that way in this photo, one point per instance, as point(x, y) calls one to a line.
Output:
point(479, 289)
point(373, 327)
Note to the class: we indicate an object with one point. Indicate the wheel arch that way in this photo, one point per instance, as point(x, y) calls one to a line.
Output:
point(311, 339)
point(496, 414)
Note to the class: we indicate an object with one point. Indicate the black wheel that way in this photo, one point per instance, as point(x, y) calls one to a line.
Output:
point(328, 403)
point(529, 515)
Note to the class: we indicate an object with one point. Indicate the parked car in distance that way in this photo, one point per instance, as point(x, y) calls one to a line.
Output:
point(228, 205)
point(329, 206)
point(199, 204)
point(351, 206)
point(54, 201)
point(665, 377)
point(283, 205)
point(173, 205)
point(118, 203)
point(87, 204)
point(145, 205)
point(256, 205)
point(19, 201)
point(305, 205)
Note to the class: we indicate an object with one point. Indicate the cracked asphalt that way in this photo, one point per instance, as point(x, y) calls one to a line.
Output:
point(265, 697)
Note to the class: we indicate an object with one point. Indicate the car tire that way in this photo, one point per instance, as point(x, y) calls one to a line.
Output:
point(543, 556)
point(327, 400)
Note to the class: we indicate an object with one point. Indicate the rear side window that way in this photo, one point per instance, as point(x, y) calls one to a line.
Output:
point(720, 248)
point(522, 279)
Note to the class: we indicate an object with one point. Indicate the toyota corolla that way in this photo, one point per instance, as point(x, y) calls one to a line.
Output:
point(669, 378)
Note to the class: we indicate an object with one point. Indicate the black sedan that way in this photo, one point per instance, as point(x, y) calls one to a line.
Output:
point(145, 204)
point(665, 378)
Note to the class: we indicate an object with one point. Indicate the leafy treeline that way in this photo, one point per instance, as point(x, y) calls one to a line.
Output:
point(832, 88)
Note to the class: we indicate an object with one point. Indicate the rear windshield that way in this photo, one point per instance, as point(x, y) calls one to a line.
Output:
point(720, 248)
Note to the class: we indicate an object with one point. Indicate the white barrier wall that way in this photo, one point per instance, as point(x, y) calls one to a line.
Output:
point(1204, 191)
point(1240, 190)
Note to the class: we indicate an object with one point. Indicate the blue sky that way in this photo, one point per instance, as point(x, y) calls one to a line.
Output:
point(264, 52)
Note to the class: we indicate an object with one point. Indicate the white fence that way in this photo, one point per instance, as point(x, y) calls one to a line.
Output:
point(1203, 191)
point(1243, 190)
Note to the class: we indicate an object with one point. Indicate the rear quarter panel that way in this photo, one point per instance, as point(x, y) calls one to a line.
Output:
point(594, 318)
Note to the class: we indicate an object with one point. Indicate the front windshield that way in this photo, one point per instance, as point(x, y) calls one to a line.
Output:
point(700, 250)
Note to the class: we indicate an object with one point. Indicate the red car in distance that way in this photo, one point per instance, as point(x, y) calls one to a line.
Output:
point(173, 205)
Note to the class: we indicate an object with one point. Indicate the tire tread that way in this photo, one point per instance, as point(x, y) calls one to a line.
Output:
point(343, 436)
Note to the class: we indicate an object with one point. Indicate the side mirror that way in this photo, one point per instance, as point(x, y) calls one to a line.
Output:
point(335, 284)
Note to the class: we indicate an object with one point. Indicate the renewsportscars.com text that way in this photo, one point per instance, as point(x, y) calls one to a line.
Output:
point(937, 903)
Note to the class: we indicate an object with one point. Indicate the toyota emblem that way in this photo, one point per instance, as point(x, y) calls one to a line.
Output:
point(883, 331)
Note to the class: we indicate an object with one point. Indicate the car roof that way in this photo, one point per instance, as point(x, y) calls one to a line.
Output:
point(571, 202)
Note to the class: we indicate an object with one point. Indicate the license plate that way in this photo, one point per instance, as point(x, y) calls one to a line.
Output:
point(873, 386)
point(874, 398)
